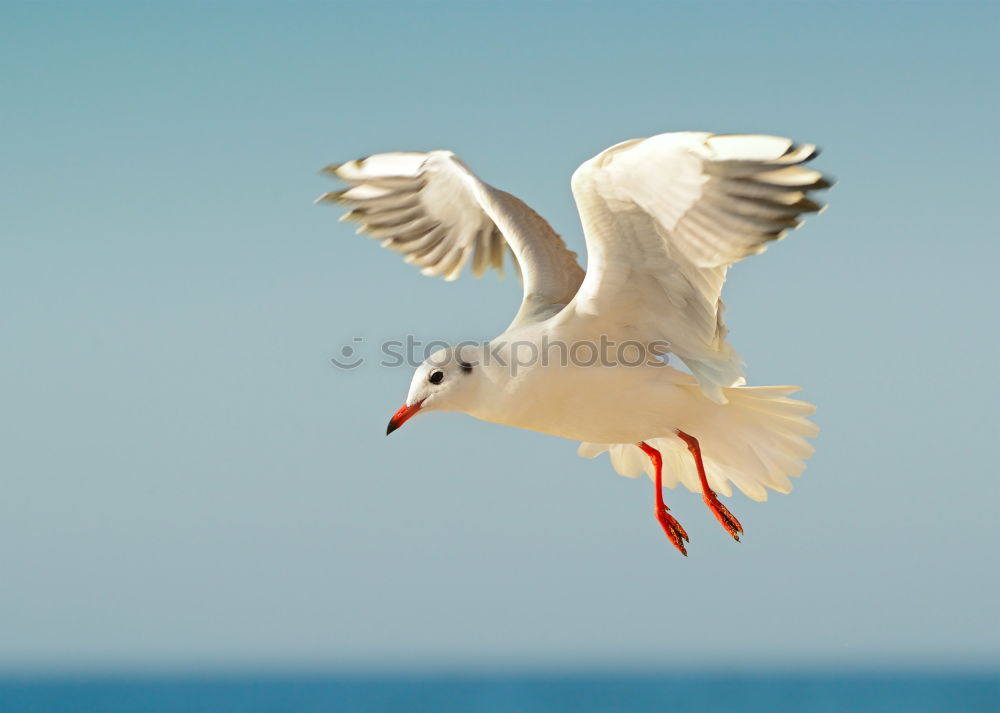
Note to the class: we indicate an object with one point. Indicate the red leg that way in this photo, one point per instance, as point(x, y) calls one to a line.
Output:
point(668, 522)
point(721, 512)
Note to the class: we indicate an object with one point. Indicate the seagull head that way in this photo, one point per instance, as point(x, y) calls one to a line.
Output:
point(446, 381)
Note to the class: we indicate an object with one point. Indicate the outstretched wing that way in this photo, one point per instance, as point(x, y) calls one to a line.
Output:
point(431, 208)
point(665, 217)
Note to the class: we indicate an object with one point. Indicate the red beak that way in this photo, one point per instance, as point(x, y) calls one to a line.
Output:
point(404, 414)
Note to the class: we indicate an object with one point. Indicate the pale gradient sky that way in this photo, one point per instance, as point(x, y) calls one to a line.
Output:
point(188, 482)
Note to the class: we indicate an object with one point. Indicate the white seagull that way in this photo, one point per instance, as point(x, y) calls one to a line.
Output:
point(585, 357)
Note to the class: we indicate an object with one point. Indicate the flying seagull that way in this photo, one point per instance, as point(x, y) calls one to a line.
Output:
point(663, 218)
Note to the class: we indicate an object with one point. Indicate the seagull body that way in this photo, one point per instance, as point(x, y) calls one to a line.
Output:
point(585, 357)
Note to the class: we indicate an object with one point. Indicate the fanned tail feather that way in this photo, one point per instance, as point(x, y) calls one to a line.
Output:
point(756, 441)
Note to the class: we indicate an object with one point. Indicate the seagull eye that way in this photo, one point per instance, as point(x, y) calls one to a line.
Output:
point(436, 377)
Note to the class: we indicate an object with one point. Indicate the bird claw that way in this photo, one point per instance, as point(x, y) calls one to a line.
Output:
point(722, 514)
point(674, 530)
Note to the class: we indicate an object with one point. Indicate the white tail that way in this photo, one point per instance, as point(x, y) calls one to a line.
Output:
point(755, 441)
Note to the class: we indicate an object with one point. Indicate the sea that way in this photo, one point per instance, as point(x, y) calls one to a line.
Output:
point(909, 692)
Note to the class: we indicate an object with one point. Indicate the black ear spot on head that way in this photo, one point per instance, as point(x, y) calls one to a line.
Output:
point(465, 366)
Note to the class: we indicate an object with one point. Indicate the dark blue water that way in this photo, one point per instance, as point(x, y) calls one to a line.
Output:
point(910, 693)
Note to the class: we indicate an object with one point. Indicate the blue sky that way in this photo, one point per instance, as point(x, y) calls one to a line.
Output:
point(188, 482)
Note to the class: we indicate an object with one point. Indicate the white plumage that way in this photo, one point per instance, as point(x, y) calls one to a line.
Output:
point(684, 207)
point(663, 218)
